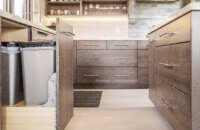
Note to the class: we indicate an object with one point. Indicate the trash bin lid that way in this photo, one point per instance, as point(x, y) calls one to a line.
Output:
point(10, 47)
point(37, 44)
point(10, 44)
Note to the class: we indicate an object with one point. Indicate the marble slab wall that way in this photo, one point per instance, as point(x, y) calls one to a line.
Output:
point(144, 15)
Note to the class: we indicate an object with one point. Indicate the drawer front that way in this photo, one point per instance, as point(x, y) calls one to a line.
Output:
point(91, 44)
point(175, 32)
point(107, 75)
point(175, 104)
point(142, 75)
point(39, 35)
point(143, 58)
point(107, 58)
point(124, 45)
point(143, 45)
point(173, 65)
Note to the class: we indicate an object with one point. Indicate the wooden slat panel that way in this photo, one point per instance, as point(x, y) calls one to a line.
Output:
point(28, 118)
point(107, 58)
point(64, 68)
point(107, 75)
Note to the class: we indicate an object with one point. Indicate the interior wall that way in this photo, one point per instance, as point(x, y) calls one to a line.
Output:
point(87, 27)
point(144, 15)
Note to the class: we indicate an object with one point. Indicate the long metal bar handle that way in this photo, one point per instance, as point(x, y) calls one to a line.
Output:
point(91, 45)
point(167, 34)
point(165, 105)
point(122, 45)
point(87, 75)
point(122, 75)
point(167, 65)
point(122, 57)
point(68, 33)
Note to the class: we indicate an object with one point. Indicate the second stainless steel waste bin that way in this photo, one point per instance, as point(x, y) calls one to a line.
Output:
point(12, 86)
point(38, 65)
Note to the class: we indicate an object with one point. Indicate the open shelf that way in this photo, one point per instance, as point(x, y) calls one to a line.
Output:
point(63, 3)
point(88, 7)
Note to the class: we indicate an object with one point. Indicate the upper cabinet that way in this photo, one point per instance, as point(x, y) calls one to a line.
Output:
point(86, 7)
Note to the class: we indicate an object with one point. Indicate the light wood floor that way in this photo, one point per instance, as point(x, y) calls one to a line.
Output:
point(120, 110)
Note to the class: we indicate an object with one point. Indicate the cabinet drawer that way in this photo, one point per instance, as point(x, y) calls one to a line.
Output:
point(39, 35)
point(173, 65)
point(107, 75)
point(122, 45)
point(175, 104)
point(91, 44)
point(107, 58)
point(175, 32)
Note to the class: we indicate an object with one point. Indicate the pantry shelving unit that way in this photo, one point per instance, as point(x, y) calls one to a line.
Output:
point(87, 7)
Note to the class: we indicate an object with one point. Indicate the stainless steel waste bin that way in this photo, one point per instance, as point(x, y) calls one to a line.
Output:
point(38, 65)
point(11, 74)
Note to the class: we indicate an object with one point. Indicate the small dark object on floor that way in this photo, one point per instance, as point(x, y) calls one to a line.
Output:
point(87, 98)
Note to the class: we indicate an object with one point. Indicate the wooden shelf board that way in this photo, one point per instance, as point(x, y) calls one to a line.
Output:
point(64, 3)
point(105, 1)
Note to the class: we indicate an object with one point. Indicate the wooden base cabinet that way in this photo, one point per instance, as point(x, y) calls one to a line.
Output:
point(174, 72)
point(115, 62)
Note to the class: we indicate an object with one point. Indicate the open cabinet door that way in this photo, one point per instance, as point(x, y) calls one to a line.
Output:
point(64, 69)
point(0, 78)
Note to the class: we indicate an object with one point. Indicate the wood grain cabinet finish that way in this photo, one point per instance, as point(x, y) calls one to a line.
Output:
point(93, 44)
point(107, 75)
point(40, 35)
point(174, 65)
point(174, 72)
point(122, 45)
point(175, 103)
point(107, 58)
point(112, 62)
point(176, 32)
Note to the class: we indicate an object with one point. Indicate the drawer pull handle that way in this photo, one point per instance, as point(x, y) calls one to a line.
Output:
point(91, 58)
point(68, 33)
point(91, 45)
point(42, 33)
point(167, 34)
point(87, 75)
point(165, 105)
point(122, 75)
point(122, 45)
point(122, 57)
point(167, 65)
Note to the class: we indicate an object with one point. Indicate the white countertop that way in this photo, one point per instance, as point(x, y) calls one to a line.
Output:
point(17, 19)
point(123, 38)
point(195, 6)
